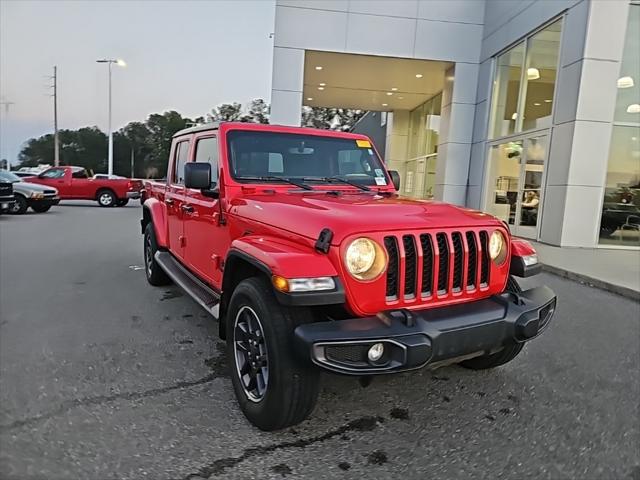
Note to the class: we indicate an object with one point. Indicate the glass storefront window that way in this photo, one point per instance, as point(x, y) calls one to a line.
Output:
point(506, 88)
point(540, 79)
point(420, 169)
point(524, 85)
point(620, 220)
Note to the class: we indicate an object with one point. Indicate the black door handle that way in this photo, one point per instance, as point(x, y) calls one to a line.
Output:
point(186, 208)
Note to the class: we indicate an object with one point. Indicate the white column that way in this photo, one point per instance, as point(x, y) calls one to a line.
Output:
point(456, 131)
point(286, 86)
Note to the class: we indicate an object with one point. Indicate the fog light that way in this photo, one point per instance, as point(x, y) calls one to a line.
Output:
point(375, 352)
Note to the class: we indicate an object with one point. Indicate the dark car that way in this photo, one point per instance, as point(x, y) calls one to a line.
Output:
point(619, 215)
point(7, 198)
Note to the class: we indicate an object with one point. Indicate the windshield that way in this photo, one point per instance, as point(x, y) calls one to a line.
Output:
point(9, 177)
point(267, 156)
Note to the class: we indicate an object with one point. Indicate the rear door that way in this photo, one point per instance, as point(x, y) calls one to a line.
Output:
point(81, 185)
point(206, 237)
point(174, 197)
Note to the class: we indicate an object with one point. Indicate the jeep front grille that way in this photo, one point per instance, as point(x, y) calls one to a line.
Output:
point(436, 265)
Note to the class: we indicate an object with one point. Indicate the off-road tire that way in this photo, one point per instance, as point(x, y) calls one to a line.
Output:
point(293, 385)
point(484, 362)
point(40, 208)
point(20, 206)
point(106, 198)
point(154, 273)
point(122, 202)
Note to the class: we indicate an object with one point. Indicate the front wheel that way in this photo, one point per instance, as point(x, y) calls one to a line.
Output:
point(155, 275)
point(273, 388)
point(40, 208)
point(20, 206)
point(484, 362)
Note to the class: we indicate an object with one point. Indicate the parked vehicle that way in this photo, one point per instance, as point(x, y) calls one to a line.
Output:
point(20, 174)
point(7, 198)
point(39, 197)
point(74, 183)
point(298, 242)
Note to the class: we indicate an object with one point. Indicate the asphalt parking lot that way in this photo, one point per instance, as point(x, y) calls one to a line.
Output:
point(105, 377)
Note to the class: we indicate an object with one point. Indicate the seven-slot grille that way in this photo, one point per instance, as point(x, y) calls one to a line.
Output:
point(436, 264)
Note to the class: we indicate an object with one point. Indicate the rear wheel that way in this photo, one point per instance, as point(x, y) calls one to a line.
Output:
point(106, 198)
point(273, 388)
point(40, 208)
point(20, 206)
point(155, 275)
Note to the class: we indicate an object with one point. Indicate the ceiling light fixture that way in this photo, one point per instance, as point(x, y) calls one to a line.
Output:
point(320, 88)
point(322, 84)
point(548, 100)
point(633, 108)
point(389, 93)
point(418, 75)
point(310, 99)
point(394, 89)
point(514, 116)
point(625, 82)
point(318, 67)
point(385, 104)
point(400, 98)
point(537, 104)
point(533, 73)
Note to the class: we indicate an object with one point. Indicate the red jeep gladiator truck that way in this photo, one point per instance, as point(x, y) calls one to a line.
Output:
point(74, 183)
point(296, 240)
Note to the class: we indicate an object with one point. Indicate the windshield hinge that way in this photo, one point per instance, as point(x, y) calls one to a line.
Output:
point(324, 240)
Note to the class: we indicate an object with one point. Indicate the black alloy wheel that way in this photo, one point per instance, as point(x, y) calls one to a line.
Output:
point(250, 350)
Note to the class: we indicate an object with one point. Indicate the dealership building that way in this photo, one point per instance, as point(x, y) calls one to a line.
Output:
point(527, 109)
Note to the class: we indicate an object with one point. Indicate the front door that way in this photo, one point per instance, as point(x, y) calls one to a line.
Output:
point(204, 232)
point(516, 183)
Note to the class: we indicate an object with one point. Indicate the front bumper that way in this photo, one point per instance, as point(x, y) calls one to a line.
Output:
point(6, 202)
point(414, 339)
point(133, 195)
point(44, 202)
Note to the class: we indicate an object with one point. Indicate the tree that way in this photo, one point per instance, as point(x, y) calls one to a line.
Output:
point(258, 112)
point(227, 112)
point(162, 127)
point(330, 118)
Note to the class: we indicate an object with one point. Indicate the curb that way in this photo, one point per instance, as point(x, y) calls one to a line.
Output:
point(593, 282)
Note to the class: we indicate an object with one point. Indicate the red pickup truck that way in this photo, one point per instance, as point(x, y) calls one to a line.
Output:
point(296, 240)
point(75, 183)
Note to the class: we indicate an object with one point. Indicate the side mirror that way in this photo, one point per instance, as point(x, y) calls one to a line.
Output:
point(197, 175)
point(395, 178)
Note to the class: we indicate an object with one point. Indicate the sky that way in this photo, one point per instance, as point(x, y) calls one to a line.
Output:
point(188, 56)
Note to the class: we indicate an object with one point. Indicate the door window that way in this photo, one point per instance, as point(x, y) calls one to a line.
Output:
point(207, 151)
point(181, 155)
point(53, 173)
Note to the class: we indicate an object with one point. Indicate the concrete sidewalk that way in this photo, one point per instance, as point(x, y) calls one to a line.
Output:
point(611, 269)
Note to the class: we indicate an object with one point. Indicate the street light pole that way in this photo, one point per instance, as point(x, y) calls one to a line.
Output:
point(120, 63)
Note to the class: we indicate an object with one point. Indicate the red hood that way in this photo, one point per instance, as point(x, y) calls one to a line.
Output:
point(308, 213)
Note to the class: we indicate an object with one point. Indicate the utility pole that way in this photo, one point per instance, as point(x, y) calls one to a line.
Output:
point(6, 104)
point(120, 63)
point(56, 141)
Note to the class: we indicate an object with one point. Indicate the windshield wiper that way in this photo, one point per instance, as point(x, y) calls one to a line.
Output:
point(273, 178)
point(344, 180)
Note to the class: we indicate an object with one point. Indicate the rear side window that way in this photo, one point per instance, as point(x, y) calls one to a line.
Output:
point(181, 155)
point(80, 174)
point(207, 151)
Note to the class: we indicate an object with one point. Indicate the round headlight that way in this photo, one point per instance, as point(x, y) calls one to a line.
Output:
point(365, 259)
point(497, 247)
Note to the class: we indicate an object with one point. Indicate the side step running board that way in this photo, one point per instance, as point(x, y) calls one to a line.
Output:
point(201, 293)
